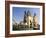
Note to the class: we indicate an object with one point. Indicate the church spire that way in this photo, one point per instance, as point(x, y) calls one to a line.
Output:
point(34, 14)
point(28, 13)
point(25, 16)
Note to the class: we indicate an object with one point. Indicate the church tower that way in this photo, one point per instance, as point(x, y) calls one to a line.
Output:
point(29, 19)
point(25, 18)
point(35, 20)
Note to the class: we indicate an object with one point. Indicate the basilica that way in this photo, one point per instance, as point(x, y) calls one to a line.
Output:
point(29, 22)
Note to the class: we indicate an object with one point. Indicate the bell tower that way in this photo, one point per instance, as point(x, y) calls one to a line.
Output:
point(25, 17)
point(35, 20)
point(29, 19)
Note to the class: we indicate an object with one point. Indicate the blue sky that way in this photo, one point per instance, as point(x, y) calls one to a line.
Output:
point(18, 13)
